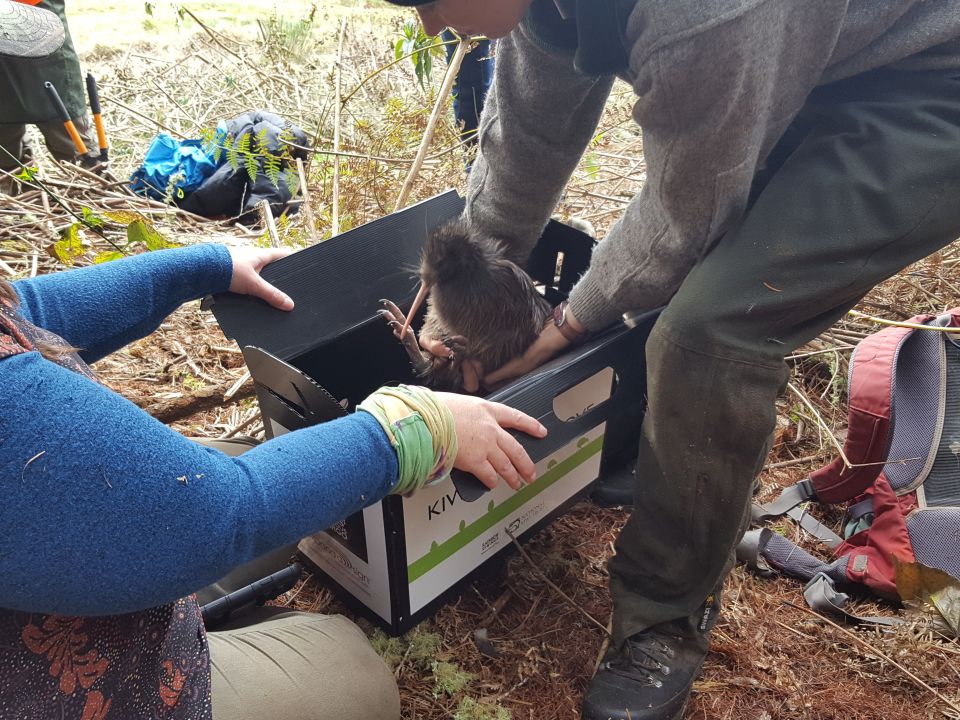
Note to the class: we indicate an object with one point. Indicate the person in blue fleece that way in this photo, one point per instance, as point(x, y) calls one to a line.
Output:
point(111, 520)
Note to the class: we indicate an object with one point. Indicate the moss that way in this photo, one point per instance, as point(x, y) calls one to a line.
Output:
point(417, 648)
point(470, 709)
point(422, 648)
point(449, 679)
point(391, 649)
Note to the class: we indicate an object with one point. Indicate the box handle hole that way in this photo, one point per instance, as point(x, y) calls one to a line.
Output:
point(586, 396)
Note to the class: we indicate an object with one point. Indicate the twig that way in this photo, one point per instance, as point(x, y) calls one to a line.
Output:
point(139, 114)
point(310, 220)
point(877, 652)
point(795, 461)
point(452, 69)
point(604, 646)
point(337, 108)
point(182, 406)
point(384, 68)
point(821, 423)
point(236, 386)
point(379, 158)
point(242, 426)
point(793, 630)
point(838, 349)
point(553, 586)
point(897, 323)
point(267, 216)
point(227, 50)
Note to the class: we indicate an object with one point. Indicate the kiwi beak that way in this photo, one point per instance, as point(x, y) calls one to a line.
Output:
point(417, 302)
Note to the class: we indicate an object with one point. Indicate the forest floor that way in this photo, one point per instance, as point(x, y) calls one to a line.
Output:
point(770, 658)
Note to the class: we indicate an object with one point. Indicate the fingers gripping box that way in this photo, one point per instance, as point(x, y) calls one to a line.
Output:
point(401, 557)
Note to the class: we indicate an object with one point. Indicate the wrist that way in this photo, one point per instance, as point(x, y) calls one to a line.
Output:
point(568, 325)
point(420, 429)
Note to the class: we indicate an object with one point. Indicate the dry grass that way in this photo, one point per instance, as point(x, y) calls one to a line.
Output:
point(769, 660)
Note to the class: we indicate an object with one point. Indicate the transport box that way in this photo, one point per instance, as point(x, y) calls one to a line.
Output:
point(399, 558)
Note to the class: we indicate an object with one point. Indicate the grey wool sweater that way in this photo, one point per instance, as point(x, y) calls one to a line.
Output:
point(717, 83)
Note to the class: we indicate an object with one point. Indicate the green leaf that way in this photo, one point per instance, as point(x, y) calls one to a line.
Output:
point(122, 217)
point(142, 231)
point(70, 245)
point(420, 47)
point(592, 166)
point(91, 219)
point(107, 256)
point(27, 174)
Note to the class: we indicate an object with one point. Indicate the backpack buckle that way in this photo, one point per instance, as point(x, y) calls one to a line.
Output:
point(807, 491)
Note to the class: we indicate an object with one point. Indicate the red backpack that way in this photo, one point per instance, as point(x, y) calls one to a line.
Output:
point(902, 485)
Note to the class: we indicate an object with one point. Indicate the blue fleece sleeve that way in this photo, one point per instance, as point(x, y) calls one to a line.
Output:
point(106, 510)
point(101, 308)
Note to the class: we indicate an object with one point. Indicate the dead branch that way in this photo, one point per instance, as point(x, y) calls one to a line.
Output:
point(178, 408)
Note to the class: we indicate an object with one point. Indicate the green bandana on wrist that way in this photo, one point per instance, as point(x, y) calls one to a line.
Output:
point(421, 430)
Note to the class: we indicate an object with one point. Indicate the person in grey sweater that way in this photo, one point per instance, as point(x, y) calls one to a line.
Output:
point(797, 154)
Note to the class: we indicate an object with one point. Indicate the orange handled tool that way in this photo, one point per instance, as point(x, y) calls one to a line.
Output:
point(65, 118)
point(97, 119)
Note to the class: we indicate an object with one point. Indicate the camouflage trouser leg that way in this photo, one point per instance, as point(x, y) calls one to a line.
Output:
point(865, 182)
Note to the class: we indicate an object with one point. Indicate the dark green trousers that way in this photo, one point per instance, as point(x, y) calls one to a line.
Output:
point(865, 182)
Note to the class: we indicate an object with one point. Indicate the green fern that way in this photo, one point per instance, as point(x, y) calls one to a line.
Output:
point(210, 144)
point(271, 166)
point(292, 181)
point(251, 165)
point(247, 149)
point(233, 156)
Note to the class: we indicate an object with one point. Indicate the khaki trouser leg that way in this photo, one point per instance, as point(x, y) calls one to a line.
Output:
point(286, 665)
point(869, 183)
point(299, 666)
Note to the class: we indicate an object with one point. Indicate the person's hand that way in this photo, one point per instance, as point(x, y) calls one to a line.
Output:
point(246, 280)
point(549, 342)
point(486, 449)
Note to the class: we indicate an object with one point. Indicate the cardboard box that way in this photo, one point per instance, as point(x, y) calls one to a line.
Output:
point(400, 558)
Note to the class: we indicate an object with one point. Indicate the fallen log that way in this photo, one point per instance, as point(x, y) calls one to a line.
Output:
point(178, 408)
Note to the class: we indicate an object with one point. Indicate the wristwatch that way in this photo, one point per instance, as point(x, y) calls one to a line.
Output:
point(574, 337)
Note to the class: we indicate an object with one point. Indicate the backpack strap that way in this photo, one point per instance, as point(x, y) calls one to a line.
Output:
point(788, 503)
point(869, 420)
point(767, 553)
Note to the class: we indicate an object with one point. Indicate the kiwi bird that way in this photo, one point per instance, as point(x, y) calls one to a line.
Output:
point(481, 306)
